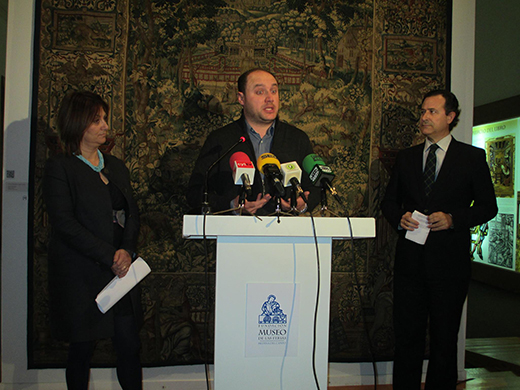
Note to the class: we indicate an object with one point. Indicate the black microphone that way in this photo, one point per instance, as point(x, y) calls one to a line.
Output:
point(205, 202)
point(321, 175)
point(269, 165)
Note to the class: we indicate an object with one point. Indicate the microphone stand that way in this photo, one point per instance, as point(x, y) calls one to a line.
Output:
point(242, 198)
point(240, 209)
point(241, 205)
point(297, 190)
point(333, 191)
point(206, 209)
point(294, 198)
point(324, 206)
point(278, 210)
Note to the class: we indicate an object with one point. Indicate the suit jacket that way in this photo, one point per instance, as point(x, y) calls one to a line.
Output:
point(463, 189)
point(289, 144)
point(81, 247)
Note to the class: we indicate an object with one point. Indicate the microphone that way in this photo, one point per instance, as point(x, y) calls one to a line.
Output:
point(269, 165)
point(205, 202)
point(243, 171)
point(321, 175)
point(292, 175)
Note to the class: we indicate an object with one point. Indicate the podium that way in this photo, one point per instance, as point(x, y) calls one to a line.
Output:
point(265, 299)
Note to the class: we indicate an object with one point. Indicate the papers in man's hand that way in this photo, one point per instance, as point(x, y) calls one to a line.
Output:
point(118, 287)
point(420, 234)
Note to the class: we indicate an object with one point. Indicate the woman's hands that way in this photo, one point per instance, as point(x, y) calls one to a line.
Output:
point(122, 262)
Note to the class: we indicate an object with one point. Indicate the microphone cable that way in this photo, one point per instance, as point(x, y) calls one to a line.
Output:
point(316, 306)
point(320, 173)
point(315, 319)
point(205, 212)
point(206, 312)
point(289, 325)
point(318, 291)
point(358, 288)
point(205, 195)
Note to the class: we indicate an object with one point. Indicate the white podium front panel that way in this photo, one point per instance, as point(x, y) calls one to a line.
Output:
point(272, 263)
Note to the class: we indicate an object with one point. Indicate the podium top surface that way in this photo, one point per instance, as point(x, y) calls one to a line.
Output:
point(248, 226)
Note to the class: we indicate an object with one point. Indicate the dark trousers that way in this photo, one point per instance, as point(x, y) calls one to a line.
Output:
point(420, 300)
point(127, 345)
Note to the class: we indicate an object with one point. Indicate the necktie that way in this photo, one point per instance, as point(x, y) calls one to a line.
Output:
point(429, 169)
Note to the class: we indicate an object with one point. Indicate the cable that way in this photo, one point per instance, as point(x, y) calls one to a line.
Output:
point(206, 313)
point(318, 290)
point(289, 323)
point(365, 324)
point(315, 322)
point(358, 288)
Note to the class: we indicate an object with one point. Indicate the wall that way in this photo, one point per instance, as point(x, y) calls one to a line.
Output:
point(15, 374)
point(3, 28)
point(492, 308)
point(492, 312)
point(497, 53)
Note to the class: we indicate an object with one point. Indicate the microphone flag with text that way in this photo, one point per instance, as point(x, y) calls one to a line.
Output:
point(321, 174)
point(269, 165)
point(292, 176)
point(243, 171)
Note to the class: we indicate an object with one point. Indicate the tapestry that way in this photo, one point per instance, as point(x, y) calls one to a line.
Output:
point(351, 75)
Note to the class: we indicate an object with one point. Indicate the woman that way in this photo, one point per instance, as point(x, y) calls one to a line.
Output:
point(95, 224)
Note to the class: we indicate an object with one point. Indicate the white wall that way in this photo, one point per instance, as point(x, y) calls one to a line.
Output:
point(15, 196)
point(3, 28)
point(463, 65)
point(15, 374)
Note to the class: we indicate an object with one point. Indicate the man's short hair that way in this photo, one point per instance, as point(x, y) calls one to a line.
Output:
point(242, 80)
point(451, 104)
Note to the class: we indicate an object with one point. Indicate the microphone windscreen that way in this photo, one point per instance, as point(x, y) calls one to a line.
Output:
point(317, 169)
point(265, 159)
point(238, 157)
point(310, 161)
point(290, 170)
point(241, 164)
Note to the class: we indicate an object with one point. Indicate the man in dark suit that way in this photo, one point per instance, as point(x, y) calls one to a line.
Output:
point(455, 192)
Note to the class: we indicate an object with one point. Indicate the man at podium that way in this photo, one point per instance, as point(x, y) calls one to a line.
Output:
point(261, 136)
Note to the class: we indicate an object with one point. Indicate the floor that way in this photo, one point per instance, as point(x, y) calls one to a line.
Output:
point(490, 364)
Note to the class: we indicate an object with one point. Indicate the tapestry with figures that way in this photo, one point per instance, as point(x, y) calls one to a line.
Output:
point(351, 76)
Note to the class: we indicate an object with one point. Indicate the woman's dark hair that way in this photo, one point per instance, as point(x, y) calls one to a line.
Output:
point(451, 104)
point(77, 112)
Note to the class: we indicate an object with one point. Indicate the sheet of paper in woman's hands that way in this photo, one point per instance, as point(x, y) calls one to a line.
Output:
point(118, 287)
point(420, 234)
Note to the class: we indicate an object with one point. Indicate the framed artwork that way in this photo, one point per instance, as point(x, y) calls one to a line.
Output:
point(501, 158)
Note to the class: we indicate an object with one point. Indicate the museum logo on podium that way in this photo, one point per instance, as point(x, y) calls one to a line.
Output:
point(272, 323)
point(272, 319)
